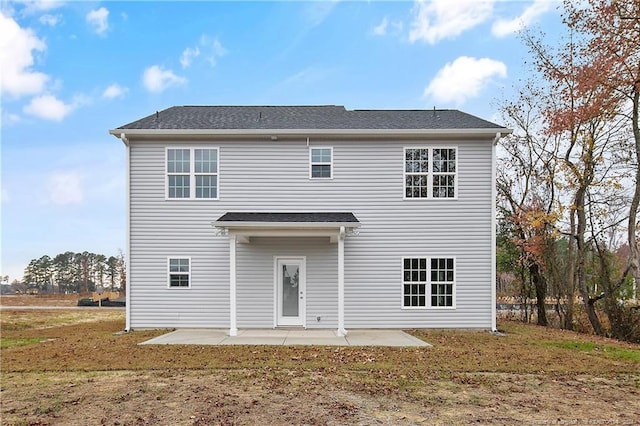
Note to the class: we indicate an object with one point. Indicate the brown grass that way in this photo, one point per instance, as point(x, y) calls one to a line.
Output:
point(80, 372)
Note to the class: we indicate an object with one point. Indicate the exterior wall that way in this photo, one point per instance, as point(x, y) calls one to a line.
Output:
point(270, 176)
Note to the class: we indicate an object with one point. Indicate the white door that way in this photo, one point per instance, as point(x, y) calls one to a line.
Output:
point(290, 286)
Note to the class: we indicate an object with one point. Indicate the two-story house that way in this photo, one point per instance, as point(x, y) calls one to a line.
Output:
point(310, 216)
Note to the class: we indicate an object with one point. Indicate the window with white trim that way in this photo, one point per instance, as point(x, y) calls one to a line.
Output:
point(442, 280)
point(192, 173)
point(428, 282)
point(179, 272)
point(430, 172)
point(321, 163)
point(415, 282)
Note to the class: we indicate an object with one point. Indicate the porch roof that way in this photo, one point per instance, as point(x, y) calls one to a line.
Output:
point(287, 220)
point(300, 224)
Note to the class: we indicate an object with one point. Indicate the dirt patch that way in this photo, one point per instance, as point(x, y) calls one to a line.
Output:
point(243, 397)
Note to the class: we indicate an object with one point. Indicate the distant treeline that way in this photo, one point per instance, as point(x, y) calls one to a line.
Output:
point(76, 272)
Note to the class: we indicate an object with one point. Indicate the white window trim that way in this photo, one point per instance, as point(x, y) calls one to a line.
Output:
point(192, 173)
point(169, 258)
point(428, 283)
point(311, 163)
point(430, 173)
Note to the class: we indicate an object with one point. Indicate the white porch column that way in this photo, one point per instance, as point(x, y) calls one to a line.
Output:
point(233, 329)
point(341, 330)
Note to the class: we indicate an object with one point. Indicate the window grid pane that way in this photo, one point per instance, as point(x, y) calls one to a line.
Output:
point(321, 155)
point(444, 186)
point(414, 287)
point(417, 160)
point(321, 171)
point(179, 186)
point(206, 161)
point(444, 160)
point(179, 280)
point(206, 186)
point(178, 161)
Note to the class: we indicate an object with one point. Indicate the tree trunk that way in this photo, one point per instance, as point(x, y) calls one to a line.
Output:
point(634, 257)
point(589, 304)
point(540, 286)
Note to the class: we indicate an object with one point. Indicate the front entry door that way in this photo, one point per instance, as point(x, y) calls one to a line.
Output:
point(290, 286)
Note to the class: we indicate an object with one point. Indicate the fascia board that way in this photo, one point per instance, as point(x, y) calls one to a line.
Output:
point(310, 132)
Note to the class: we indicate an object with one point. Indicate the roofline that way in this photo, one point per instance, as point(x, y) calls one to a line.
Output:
point(309, 132)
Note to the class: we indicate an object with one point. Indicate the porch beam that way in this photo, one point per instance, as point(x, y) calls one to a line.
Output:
point(341, 235)
point(233, 329)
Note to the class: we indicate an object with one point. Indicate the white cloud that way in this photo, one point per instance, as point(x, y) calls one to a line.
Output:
point(209, 48)
point(114, 91)
point(381, 28)
point(464, 78)
point(65, 188)
point(17, 46)
point(505, 27)
point(38, 6)
point(441, 19)
point(99, 20)
point(48, 107)
point(216, 50)
point(51, 20)
point(188, 55)
point(157, 79)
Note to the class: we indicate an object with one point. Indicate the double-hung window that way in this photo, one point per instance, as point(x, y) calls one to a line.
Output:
point(428, 282)
point(179, 272)
point(430, 172)
point(321, 163)
point(192, 173)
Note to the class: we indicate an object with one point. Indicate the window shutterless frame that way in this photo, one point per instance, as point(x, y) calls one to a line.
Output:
point(192, 173)
point(428, 172)
point(320, 162)
point(178, 272)
point(422, 285)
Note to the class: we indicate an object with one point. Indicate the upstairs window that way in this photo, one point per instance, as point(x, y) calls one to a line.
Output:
point(321, 163)
point(192, 173)
point(430, 172)
point(179, 272)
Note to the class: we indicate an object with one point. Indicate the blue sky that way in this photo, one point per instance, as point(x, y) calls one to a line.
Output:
point(73, 70)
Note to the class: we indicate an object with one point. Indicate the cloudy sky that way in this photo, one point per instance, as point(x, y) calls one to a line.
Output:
point(73, 70)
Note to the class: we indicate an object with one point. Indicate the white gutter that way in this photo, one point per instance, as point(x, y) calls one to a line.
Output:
point(494, 224)
point(305, 132)
point(127, 326)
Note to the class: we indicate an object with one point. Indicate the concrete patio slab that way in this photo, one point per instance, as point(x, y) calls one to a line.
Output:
point(286, 337)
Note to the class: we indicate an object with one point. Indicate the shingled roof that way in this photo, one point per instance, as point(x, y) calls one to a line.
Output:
point(323, 117)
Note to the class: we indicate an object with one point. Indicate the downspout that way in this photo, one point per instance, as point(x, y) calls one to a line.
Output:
point(494, 224)
point(127, 257)
point(341, 330)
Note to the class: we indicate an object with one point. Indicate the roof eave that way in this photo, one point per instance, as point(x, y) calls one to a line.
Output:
point(481, 132)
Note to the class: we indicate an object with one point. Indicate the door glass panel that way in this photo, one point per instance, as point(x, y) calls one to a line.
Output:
point(290, 281)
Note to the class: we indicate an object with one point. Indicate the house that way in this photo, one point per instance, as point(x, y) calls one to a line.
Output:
point(310, 216)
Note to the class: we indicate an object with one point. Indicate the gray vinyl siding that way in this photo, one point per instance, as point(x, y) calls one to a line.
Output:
point(268, 176)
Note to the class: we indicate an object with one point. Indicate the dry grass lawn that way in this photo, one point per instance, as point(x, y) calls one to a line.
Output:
point(69, 368)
